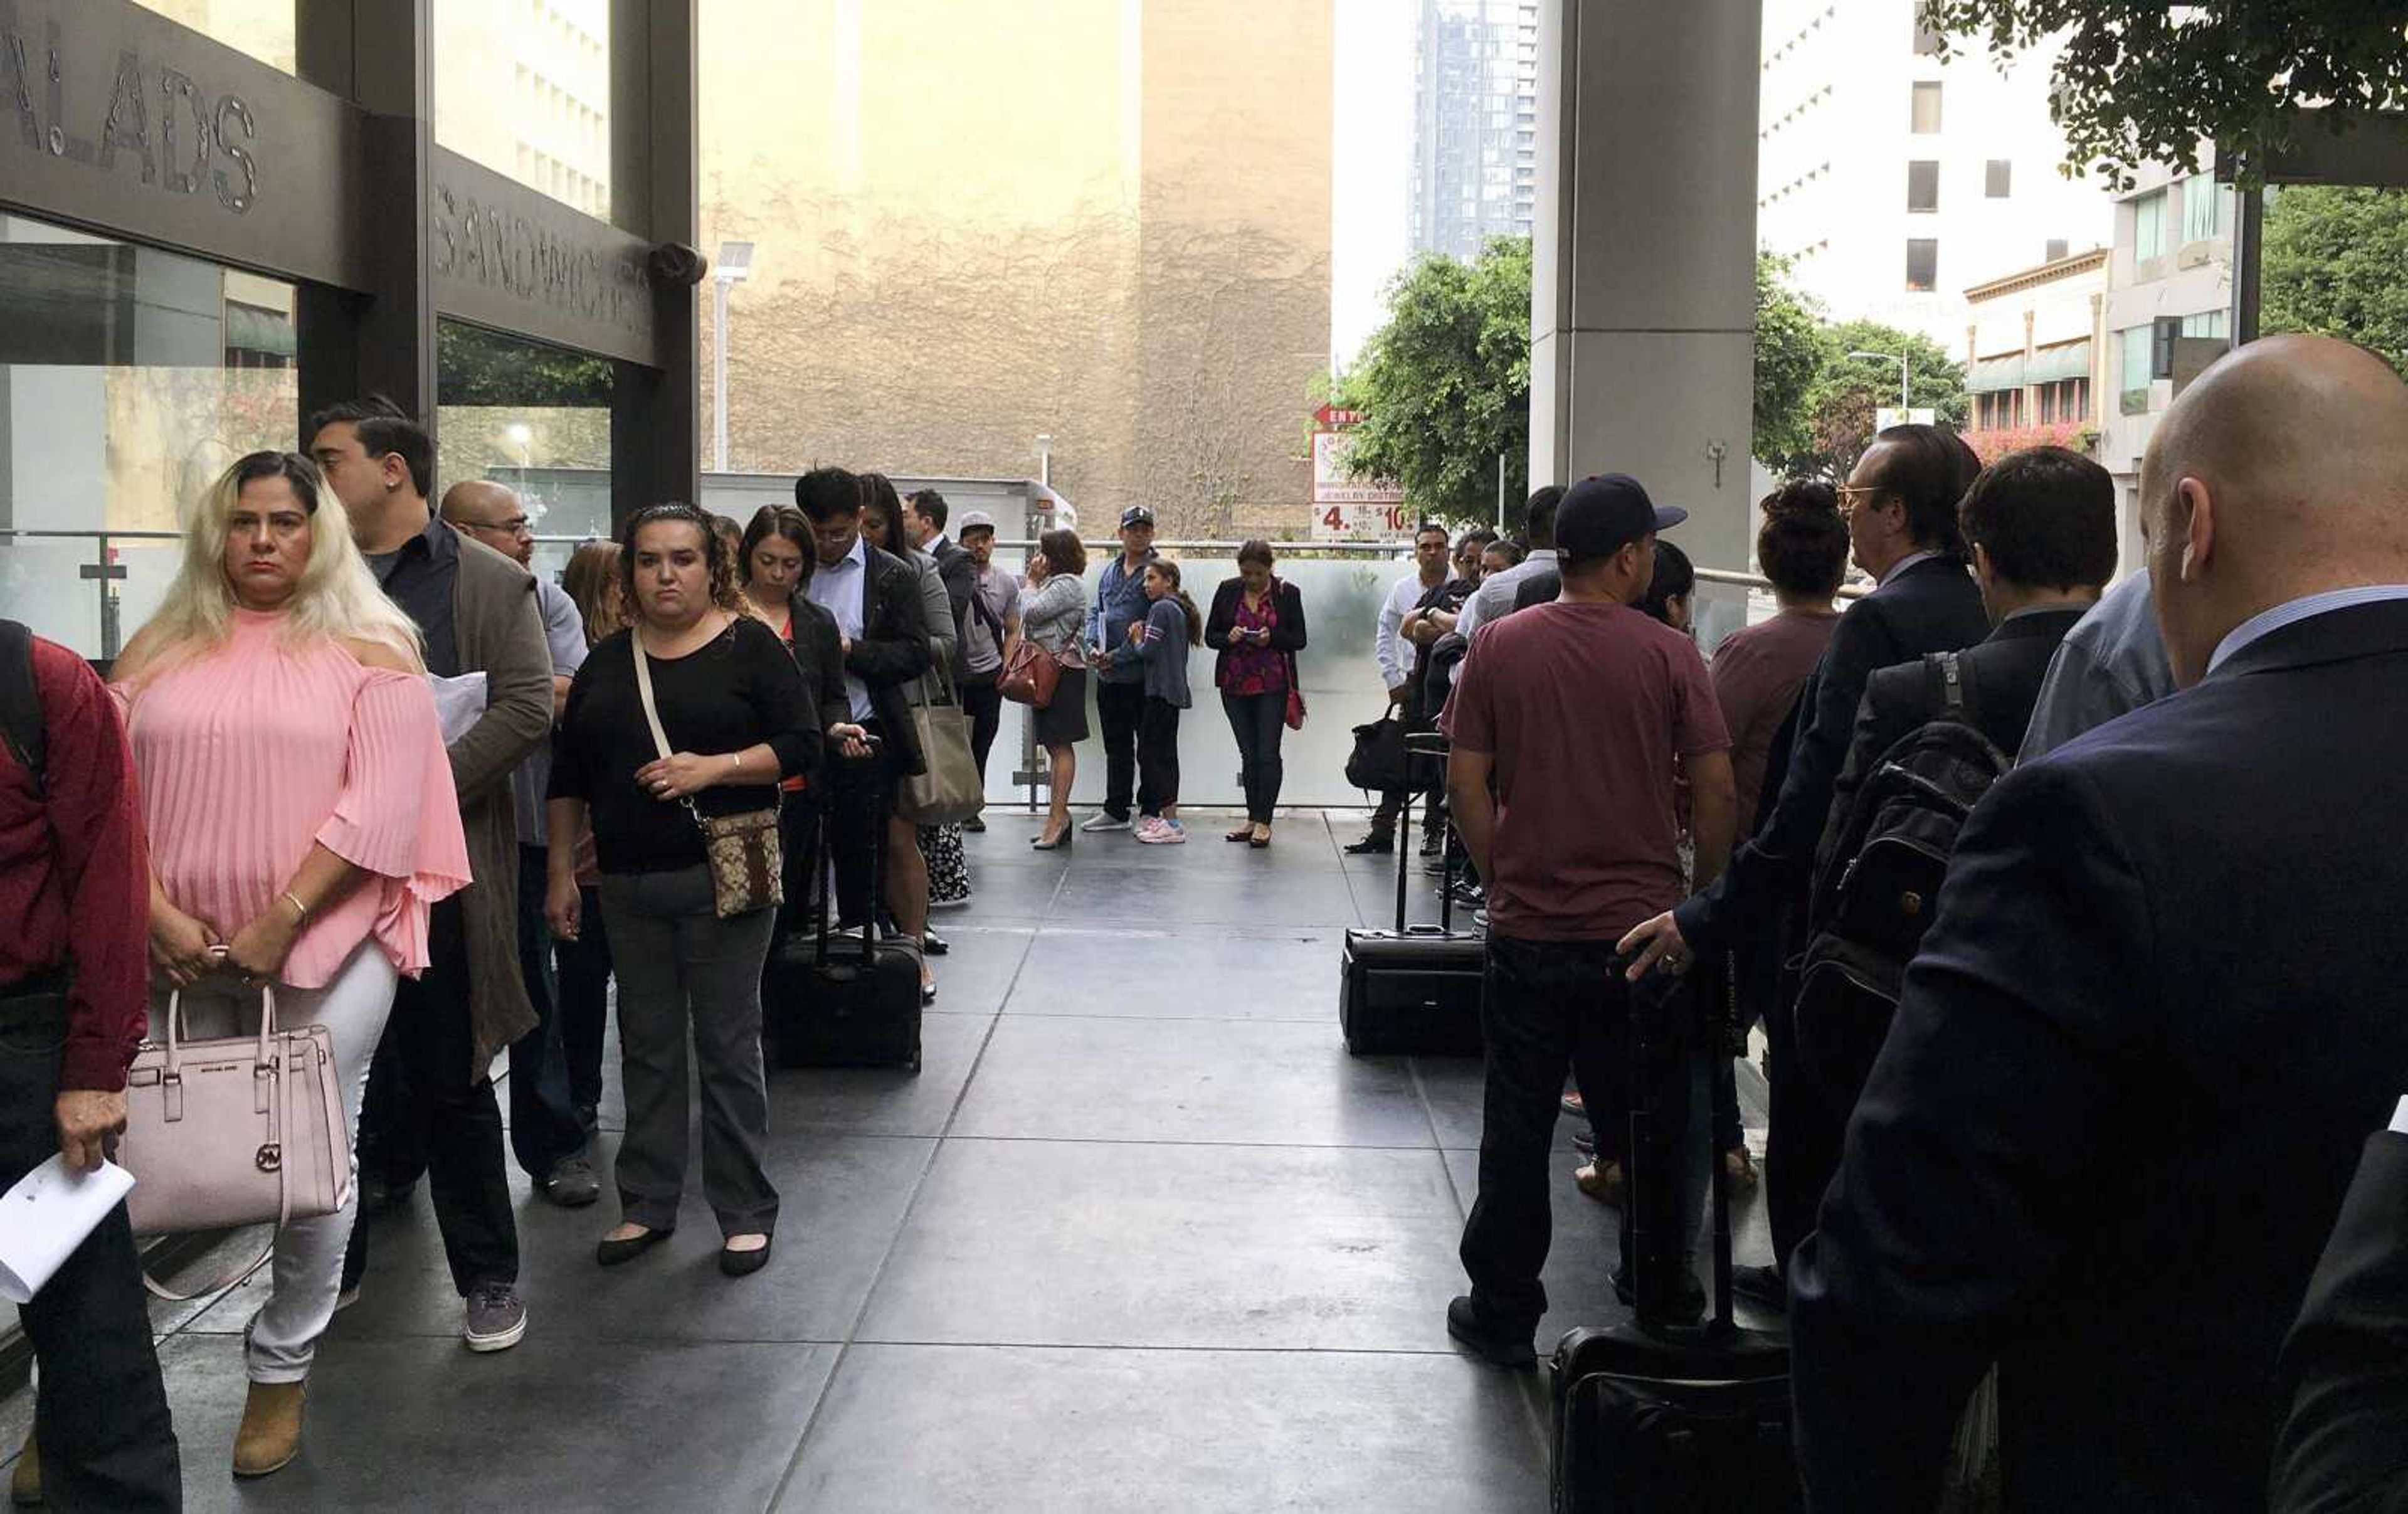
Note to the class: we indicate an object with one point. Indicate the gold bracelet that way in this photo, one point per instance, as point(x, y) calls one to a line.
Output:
point(295, 899)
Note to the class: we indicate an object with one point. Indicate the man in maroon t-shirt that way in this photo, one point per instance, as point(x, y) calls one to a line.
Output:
point(75, 886)
point(1565, 726)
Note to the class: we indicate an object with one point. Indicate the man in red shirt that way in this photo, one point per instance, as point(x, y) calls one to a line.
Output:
point(1564, 723)
point(74, 1003)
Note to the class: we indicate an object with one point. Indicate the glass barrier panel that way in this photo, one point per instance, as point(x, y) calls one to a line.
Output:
point(42, 584)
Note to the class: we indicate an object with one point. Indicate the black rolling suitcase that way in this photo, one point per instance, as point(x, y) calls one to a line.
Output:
point(1653, 1417)
point(857, 1005)
point(1414, 990)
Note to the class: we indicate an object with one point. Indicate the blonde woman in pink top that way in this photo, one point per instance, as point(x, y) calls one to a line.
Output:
point(301, 821)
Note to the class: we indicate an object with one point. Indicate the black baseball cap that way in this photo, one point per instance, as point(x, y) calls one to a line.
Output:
point(1602, 515)
point(1135, 515)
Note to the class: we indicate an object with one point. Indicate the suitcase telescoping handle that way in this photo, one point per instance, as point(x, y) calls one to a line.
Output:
point(824, 851)
point(1661, 1052)
point(1420, 743)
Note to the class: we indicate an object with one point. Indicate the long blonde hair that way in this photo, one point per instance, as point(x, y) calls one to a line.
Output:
point(335, 597)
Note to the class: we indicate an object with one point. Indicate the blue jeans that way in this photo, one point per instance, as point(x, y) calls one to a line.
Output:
point(544, 1128)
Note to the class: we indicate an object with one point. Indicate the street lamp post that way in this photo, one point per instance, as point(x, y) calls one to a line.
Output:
point(1900, 358)
point(734, 266)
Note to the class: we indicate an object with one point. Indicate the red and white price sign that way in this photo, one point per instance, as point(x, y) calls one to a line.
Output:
point(1345, 508)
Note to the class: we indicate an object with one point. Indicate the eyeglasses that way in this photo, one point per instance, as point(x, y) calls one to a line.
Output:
point(1851, 495)
point(515, 526)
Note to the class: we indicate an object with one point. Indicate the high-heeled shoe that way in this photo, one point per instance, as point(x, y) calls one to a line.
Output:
point(1059, 844)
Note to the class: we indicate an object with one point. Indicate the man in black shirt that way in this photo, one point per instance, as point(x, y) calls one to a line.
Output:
point(428, 1088)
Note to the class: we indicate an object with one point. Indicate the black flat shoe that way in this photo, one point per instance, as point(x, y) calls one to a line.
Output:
point(933, 944)
point(612, 1253)
point(1378, 843)
point(745, 1263)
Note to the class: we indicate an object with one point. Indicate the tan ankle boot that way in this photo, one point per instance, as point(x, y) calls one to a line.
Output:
point(25, 1477)
point(271, 1428)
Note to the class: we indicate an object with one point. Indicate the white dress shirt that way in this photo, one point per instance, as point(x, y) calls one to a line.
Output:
point(1388, 643)
point(835, 587)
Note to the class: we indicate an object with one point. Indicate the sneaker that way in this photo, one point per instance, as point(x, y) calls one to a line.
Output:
point(1149, 830)
point(1434, 843)
point(1488, 1341)
point(493, 1318)
point(1161, 832)
point(572, 1184)
point(1104, 820)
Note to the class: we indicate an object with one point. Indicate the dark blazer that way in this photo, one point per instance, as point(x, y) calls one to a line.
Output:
point(2002, 677)
point(2344, 1374)
point(1287, 636)
point(2134, 1065)
point(893, 648)
point(819, 651)
point(1930, 607)
point(1543, 587)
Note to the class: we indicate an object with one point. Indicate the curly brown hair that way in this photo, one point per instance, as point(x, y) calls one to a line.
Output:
point(719, 557)
point(1064, 552)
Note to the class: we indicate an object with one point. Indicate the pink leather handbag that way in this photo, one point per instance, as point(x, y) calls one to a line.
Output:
point(244, 1131)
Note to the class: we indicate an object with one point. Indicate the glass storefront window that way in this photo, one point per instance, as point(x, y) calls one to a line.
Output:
point(262, 29)
point(523, 87)
point(532, 417)
point(129, 378)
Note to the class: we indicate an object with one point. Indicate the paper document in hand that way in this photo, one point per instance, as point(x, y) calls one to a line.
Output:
point(459, 703)
point(47, 1215)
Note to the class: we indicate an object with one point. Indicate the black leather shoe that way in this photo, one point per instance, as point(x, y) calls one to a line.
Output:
point(1491, 1343)
point(1762, 1284)
point(1378, 843)
point(933, 944)
point(1687, 1309)
point(744, 1263)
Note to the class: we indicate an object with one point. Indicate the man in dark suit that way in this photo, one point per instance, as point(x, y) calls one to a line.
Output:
point(926, 520)
point(1901, 502)
point(875, 598)
point(2158, 1010)
point(2346, 1367)
point(2042, 524)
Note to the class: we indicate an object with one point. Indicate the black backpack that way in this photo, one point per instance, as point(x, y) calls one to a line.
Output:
point(1879, 881)
point(20, 702)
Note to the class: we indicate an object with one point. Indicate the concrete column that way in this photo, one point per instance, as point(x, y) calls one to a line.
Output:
point(1643, 305)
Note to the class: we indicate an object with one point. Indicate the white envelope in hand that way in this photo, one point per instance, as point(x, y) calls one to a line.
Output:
point(47, 1214)
point(459, 703)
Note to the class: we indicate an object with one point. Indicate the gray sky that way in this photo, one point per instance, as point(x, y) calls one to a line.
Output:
point(1373, 94)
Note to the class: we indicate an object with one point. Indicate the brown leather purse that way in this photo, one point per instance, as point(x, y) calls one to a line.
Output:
point(747, 861)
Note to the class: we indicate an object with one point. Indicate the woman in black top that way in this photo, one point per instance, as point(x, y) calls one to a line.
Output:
point(738, 720)
point(773, 568)
point(1257, 625)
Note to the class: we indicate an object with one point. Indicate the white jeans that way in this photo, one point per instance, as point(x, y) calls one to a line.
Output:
point(308, 1268)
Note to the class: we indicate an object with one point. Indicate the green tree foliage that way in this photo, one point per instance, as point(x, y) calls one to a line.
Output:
point(477, 366)
point(2334, 266)
point(1790, 356)
point(1848, 391)
point(2142, 80)
point(1444, 387)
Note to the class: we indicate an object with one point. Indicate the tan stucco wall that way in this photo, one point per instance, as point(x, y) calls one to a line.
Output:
point(1107, 221)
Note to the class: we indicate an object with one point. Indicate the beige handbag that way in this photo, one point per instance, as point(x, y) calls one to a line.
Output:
point(244, 1131)
point(747, 861)
point(950, 789)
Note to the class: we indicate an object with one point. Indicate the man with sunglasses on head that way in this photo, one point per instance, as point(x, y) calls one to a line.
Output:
point(548, 1133)
point(1901, 502)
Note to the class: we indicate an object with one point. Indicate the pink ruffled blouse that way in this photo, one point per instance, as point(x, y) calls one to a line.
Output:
point(249, 754)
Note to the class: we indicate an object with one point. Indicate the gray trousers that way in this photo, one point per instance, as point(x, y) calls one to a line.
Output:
point(682, 969)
